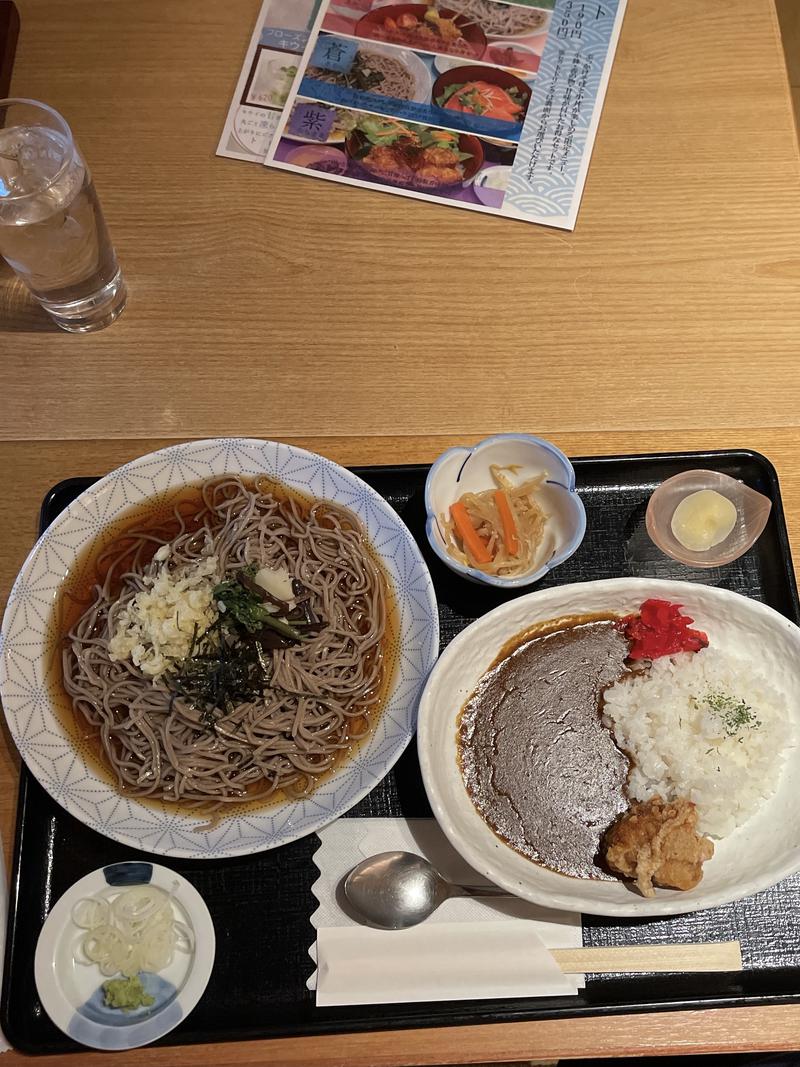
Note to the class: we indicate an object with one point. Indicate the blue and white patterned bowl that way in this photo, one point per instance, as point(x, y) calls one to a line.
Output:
point(466, 470)
point(72, 992)
point(30, 685)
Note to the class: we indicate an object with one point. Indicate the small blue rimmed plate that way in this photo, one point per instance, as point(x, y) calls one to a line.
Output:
point(467, 470)
point(71, 992)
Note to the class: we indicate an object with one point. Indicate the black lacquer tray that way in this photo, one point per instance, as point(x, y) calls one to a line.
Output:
point(261, 904)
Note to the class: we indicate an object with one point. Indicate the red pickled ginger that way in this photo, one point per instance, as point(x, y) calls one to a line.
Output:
point(659, 629)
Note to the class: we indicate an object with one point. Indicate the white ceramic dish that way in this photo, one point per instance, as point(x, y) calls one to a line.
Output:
point(757, 855)
point(461, 470)
point(488, 193)
point(420, 73)
point(442, 63)
point(29, 683)
point(71, 992)
point(544, 28)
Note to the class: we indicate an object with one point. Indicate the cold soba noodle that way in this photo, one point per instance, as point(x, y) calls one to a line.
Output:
point(371, 72)
point(499, 20)
point(233, 652)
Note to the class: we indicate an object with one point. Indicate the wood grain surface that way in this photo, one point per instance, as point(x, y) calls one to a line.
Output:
point(381, 330)
point(268, 303)
point(681, 1033)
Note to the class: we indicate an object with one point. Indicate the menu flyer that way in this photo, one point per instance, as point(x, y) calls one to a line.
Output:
point(486, 105)
point(268, 73)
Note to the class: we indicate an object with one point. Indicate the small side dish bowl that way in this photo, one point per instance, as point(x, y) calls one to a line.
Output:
point(464, 470)
point(71, 992)
point(752, 512)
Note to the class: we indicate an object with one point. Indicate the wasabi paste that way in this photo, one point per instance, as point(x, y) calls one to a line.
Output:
point(126, 993)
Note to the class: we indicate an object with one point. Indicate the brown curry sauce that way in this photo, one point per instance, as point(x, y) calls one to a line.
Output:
point(537, 761)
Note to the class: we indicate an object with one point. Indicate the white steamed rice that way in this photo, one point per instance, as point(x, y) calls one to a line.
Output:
point(683, 748)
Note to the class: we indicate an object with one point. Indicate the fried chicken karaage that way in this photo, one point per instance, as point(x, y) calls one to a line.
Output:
point(656, 842)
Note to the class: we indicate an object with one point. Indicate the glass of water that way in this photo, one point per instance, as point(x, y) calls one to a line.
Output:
point(52, 230)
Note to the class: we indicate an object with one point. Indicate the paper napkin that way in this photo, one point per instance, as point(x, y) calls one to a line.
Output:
point(470, 949)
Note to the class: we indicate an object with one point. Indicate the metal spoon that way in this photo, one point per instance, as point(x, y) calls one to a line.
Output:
point(394, 890)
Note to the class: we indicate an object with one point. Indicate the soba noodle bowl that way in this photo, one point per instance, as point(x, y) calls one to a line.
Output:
point(499, 20)
point(235, 651)
point(372, 72)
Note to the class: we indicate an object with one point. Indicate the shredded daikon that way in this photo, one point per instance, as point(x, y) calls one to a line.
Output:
point(133, 931)
point(483, 513)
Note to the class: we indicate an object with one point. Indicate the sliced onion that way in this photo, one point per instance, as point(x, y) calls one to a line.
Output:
point(139, 906)
point(185, 937)
point(90, 912)
point(136, 932)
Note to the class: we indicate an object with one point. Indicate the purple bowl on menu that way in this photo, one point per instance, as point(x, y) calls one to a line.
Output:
point(318, 157)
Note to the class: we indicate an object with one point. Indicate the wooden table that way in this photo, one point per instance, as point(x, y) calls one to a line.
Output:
point(377, 329)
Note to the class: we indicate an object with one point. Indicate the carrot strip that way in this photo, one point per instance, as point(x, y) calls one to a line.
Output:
point(468, 534)
point(509, 525)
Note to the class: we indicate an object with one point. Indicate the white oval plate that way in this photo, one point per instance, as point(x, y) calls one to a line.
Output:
point(71, 992)
point(29, 685)
point(757, 855)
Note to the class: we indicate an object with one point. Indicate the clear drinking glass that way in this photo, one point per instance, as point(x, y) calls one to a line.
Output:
point(52, 230)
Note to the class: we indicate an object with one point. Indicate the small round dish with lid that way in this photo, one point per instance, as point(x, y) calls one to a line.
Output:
point(469, 470)
point(71, 988)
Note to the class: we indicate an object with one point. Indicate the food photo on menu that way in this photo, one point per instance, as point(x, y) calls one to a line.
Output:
point(396, 153)
point(486, 105)
point(435, 119)
point(472, 30)
point(448, 125)
point(481, 104)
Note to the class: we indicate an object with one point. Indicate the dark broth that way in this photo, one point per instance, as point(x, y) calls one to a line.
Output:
point(157, 515)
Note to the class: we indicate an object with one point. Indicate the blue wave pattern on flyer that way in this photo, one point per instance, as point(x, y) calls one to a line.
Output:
point(544, 176)
point(426, 114)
